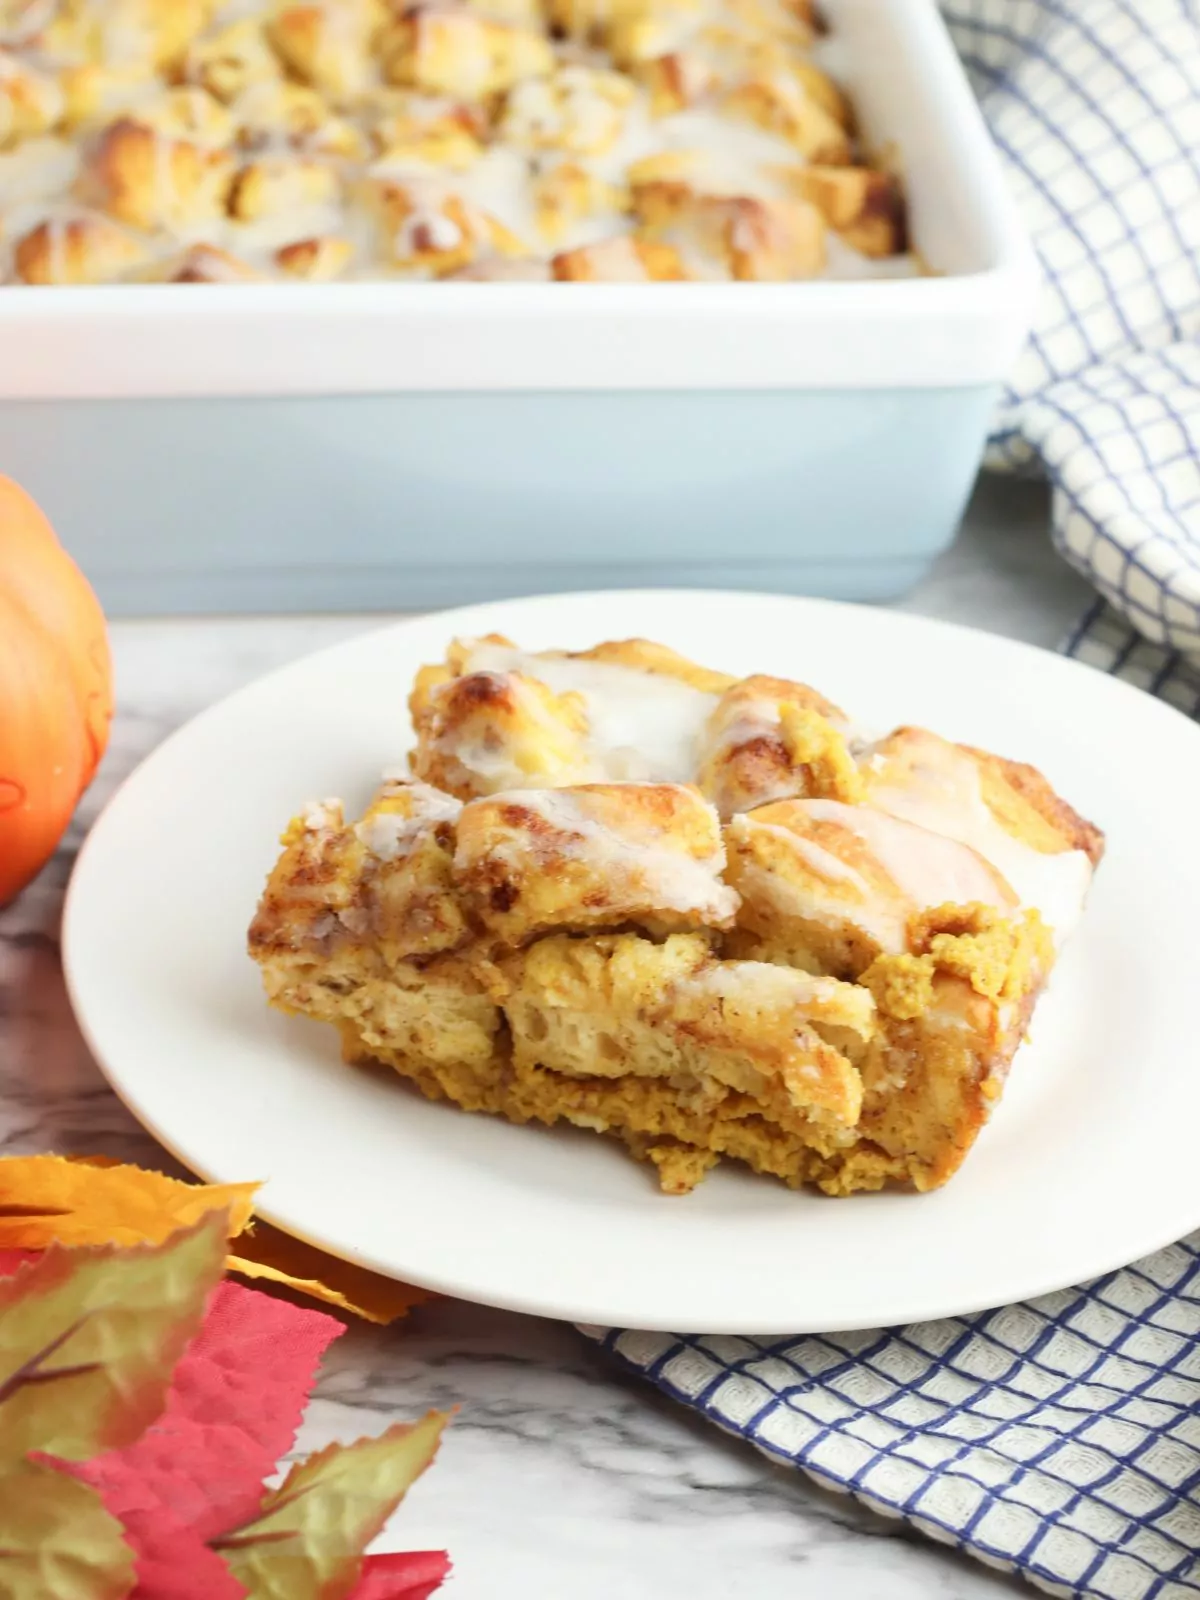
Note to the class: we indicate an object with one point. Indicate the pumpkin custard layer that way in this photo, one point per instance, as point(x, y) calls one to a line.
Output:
point(706, 915)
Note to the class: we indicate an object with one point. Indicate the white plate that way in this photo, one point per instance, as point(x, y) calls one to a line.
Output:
point(1088, 1163)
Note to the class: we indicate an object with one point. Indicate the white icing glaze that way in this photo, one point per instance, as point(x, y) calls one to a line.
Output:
point(642, 726)
point(930, 868)
point(882, 919)
point(944, 793)
point(570, 111)
point(425, 229)
point(817, 859)
point(731, 726)
point(320, 815)
point(636, 872)
point(737, 722)
point(389, 836)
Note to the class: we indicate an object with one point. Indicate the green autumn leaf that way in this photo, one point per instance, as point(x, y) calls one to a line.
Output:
point(57, 1542)
point(89, 1339)
point(307, 1542)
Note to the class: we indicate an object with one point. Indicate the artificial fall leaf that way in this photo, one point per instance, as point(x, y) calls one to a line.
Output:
point(411, 1576)
point(264, 1252)
point(308, 1540)
point(48, 1199)
point(172, 1563)
point(89, 1339)
point(10, 1260)
point(232, 1411)
point(95, 1200)
point(57, 1542)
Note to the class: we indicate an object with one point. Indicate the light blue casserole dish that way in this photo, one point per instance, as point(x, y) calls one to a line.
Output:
point(391, 445)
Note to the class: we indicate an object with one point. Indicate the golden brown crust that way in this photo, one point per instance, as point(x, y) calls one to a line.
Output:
point(1019, 797)
point(440, 236)
point(1028, 785)
point(769, 240)
point(487, 731)
point(94, 92)
point(593, 856)
point(202, 263)
point(620, 260)
point(31, 102)
point(865, 206)
point(677, 80)
point(318, 260)
point(452, 52)
point(148, 180)
point(769, 739)
point(77, 250)
point(231, 59)
point(782, 104)
point(407, 126)
point(332, 54)
point(273, 113)
point(277, 185)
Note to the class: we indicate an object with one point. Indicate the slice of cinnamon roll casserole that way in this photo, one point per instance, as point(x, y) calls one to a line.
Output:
point(700, 913)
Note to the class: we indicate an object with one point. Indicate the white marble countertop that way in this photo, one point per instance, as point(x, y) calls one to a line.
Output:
point(559, 1479)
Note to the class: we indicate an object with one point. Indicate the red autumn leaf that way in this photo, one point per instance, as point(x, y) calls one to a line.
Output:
point(232, 1411)
point(172, 1563)
point(233, 1408)
point(10, 1260)
point(411, 1575)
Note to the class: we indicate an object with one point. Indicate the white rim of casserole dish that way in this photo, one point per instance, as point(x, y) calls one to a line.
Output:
point(162, 340)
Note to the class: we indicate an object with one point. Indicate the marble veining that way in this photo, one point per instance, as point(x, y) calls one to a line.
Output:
point(560, 1477)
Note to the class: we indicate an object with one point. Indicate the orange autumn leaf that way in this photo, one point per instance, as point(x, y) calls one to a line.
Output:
point(83, 1200)
point(264, 1252)
point(48, 1199)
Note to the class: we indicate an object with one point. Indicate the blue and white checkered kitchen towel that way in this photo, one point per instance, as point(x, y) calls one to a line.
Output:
point(1061, 1438)
point(1095, 106)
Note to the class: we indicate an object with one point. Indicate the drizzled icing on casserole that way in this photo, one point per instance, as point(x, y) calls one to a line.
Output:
point(926, 824)
point(427, 140)
point(637, 864)
point(642, 726)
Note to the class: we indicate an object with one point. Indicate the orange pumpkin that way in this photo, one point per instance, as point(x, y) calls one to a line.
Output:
point(55, 688)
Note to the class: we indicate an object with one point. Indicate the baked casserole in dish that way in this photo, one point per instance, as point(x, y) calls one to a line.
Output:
point(381, 201)
point(207, 141)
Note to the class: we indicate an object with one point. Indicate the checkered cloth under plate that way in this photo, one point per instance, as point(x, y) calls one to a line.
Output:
point(1059, 1439)
point(1095, 106)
